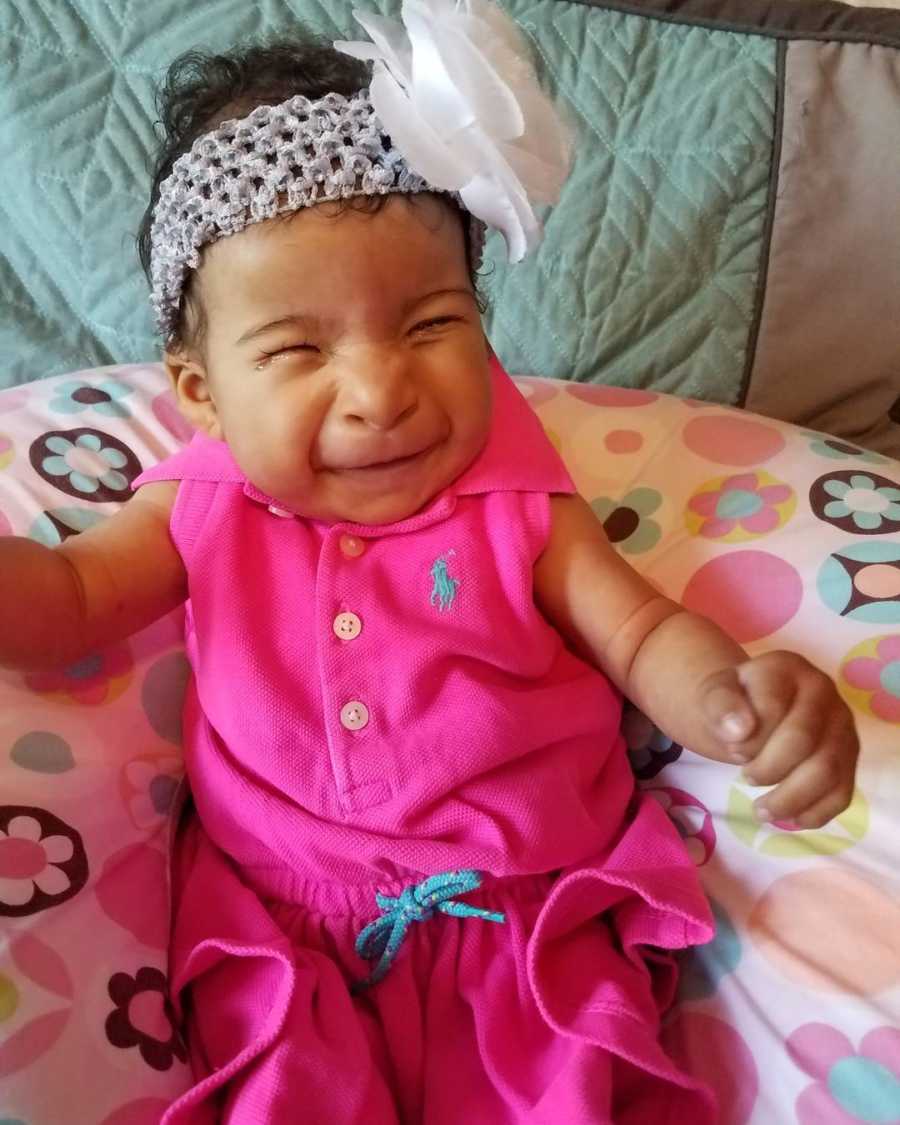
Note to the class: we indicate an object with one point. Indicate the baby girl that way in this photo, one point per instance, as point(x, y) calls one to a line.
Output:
point(417, 883)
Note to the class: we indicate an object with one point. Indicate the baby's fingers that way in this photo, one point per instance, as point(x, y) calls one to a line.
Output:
point(817, 790)
point(799, 736)
point(819, 814)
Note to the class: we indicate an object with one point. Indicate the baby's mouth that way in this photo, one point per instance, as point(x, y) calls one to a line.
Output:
point(383, 464)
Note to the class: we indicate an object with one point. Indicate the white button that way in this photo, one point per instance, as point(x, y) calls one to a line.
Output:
point(351, 546)
point(347, 626)
point(354, 715)
point(283, 512)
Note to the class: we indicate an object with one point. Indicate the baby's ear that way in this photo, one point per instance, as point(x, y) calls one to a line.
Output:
point(192, 392)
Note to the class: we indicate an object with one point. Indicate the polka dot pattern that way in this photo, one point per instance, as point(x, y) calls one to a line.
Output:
point(830, 931)
point(623, 441)
point(598, 395)
point(749, 594)
point(730, 439)
point(714, 1051)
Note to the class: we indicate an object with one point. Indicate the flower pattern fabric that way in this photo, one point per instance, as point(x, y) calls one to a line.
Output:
point(627, 521)
point(867, 503)
point(42, 861)
point(143, 1018)
point(149, 784)
point(854, 1086)
point(86, 463)
point(837, 450)
point(75, 397)
point(28, 861)
point(863, 503)
point(650, 750)
point(880, 675)
point(94, 679)
point(750, 504)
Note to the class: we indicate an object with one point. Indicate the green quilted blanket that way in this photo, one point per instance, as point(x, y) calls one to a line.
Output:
point(659, 264)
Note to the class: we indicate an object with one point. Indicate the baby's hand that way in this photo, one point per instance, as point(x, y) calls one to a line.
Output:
point(785, 720)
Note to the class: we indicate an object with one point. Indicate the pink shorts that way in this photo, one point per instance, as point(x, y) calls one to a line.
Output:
point(549, 1017)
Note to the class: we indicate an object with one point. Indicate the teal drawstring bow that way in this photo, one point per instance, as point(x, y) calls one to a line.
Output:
point(383, 937)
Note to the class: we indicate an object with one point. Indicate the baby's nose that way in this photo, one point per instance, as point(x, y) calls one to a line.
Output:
point(380, 396)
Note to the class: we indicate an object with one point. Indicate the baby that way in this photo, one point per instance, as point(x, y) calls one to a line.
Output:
point(418, 883)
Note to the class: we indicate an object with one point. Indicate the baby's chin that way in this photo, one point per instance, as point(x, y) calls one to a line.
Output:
point(377, 498)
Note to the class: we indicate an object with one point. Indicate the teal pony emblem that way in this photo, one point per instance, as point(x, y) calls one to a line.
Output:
point(445, 587)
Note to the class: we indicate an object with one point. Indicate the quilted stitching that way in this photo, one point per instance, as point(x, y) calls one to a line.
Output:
point(670, 191)
point(645, 277)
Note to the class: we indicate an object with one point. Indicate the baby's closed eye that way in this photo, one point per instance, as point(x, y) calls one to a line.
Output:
point(434, 322)
point(423, 326)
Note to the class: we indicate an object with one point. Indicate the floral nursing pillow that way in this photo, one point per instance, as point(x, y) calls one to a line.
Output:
point(786, 538)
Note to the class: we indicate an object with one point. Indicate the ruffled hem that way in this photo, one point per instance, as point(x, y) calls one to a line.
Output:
point(599, 964)
point(243, 930)
point(627, 913)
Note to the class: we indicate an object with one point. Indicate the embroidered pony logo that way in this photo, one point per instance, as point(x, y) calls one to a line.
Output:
point(445, 587)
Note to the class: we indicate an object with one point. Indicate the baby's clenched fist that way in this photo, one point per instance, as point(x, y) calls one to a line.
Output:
point(783, 719)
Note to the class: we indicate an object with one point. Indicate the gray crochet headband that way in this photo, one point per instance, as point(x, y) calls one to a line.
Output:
point(278, 158)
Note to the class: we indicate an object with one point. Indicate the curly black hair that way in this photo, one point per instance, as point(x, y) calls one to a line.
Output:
point(201, 90)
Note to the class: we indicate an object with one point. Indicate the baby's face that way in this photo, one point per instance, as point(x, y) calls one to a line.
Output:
point(346, 365)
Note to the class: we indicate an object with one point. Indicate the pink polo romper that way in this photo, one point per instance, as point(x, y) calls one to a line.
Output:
point(374, 705)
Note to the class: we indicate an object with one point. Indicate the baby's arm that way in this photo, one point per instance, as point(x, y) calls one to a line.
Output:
point(778, 713)
point(58, 604)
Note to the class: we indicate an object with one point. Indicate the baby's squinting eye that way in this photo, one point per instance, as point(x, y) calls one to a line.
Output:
point(422, 326)
point(434, 322)
point(292, 348)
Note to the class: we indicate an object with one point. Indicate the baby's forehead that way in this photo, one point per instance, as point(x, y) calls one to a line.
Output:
point(398, 244)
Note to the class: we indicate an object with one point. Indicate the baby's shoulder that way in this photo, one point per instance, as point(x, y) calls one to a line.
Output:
point(159, 494)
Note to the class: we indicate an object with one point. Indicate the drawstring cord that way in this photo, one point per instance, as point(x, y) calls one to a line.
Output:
point(382, 938)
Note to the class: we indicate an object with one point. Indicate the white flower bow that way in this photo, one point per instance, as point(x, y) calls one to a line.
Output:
point(453, 87)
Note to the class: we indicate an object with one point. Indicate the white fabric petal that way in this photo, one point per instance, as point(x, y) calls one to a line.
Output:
point(16, 892)
point(500, 199)
point(436, 96)
point(358, 49)
point(58, 849)
point(390, 40)
point(496, 80)
point(453, 86)
point(53, 880)
point(423, 149)
point(24, 828)
point(543, 156)
point(453, 83)
point(499, 210)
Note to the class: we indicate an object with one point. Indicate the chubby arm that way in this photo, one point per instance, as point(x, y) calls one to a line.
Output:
point(655, 652)
point(776, 714)
point(58, 604)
